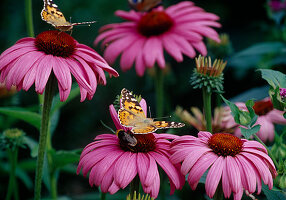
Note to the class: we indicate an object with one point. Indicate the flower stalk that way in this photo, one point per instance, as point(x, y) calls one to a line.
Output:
point(159, 89)
point(29, 18)
point(12, 186)
point(48, 98)
point(134, 187)
point(207, 109)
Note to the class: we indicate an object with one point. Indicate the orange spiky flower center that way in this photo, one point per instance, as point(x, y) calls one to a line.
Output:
point(154, 23)
point(136, 142)
point(55, 43)
point(224, 144)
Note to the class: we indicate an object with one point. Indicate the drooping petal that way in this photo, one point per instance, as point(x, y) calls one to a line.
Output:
point(233, 173)
point(126, 169)
point(214, 176)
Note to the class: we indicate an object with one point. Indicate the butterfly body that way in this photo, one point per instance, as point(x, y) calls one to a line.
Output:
point(144, 5)
point(52, 15)
point(132, 115)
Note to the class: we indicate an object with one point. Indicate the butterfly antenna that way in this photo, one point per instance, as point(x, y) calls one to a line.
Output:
point(150, 111)
point(70, 19)
point(162, 117)
point(107, 127)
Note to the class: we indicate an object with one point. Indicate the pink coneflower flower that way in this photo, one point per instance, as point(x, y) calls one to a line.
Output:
point(239, 164)
point(220, 122)
point(267, 117)
point(31, 60)
point(113, 162)
point(179, 30)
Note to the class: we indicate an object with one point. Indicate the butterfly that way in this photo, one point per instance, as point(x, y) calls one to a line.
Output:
point(52, 15)
point(132, 115)
point(126, 137)
point(144, 5)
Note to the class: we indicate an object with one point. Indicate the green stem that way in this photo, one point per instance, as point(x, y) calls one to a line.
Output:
point(53, 182)
point(52, 171)
point(219, 192)
point(269, 152)
point(134, 186)
point(207, 109)
point(29, 18)
point(102, 196)
point(12, 185)
point(49, 91)
point(159, 89)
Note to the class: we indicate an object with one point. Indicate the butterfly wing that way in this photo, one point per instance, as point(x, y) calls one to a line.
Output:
point(52, 15)
point(166, 124)
point(144, 130)
point(130, 107)
point(144, 5)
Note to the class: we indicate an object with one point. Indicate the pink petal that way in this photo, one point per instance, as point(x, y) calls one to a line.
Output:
point(115, 119)
point(153, 51)
point(192, 158)
point(214, 176)
point(80, 75)
point(129, 55)
point(126, 169)
point(200, 167)
point(233, 173)
point(115, 48)
point(99, 170)
point(130, 16)
point(107, 180)
point(44, 69)
point(152, 171)
point(62, 72)
point(225, 182)
point(172, 48)
point(276, 116)
point(247, 173)
point(140, 64)
point(167, 166)
point(142, 166)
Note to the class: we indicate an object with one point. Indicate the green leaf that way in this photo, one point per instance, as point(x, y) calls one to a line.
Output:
point(249, 104)
point(32, 144)
point(251, 56)
point(235, 112)
point(274, 78)
point(20, 113)
point(249, 132)
point(23, 176)
point(57, 104)
point(273, 194)
point(284, 115)
point(62, 158)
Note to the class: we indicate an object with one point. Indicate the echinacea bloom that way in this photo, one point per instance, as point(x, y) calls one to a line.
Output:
point(32, 60)
point(178, 29)
point(238, 164)
point(220, 122)
point(267, 117)
point(113, 162)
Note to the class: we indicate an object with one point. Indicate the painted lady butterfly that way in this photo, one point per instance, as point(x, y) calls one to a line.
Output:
point(52, 15)
point(144, 5)
point(132, 115)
